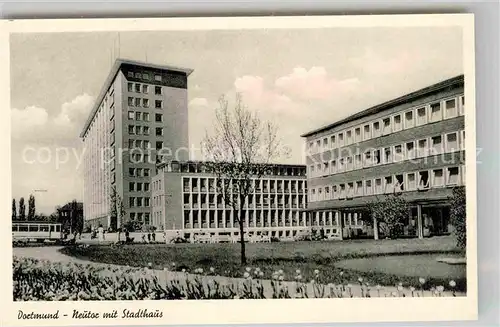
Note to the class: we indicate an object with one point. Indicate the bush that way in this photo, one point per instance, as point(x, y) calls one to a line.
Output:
point(390, 213)
point(458, 216)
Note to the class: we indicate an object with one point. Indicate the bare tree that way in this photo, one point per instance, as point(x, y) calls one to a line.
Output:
point(240, 151)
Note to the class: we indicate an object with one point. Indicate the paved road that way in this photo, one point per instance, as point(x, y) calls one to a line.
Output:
point(51, 253)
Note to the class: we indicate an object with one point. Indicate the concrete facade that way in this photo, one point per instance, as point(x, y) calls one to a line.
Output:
point(413, 145)
point(139, 119)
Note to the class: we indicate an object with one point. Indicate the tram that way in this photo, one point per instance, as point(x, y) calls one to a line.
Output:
point(36, 232)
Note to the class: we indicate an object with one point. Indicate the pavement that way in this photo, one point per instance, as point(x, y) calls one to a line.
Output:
point(52, 253)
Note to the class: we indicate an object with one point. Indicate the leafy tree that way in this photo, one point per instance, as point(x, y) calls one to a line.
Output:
point(31, 208)
point(392, 210)
point(117, 209)
point(14, 210)
point(22, 209)
point(458, 215)
point(240, 151)
point(132, 225)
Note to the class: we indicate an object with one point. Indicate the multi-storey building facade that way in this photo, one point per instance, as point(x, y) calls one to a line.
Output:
point(140, 117)
point(413, 145)
point(185, 200)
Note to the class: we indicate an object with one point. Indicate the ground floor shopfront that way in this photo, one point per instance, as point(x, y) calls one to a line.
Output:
point(423, 220)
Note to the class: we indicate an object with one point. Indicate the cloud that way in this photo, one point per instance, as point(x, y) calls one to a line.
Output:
point(376, 63)
point(199, 102)
point(314, 84)
point(35, 123)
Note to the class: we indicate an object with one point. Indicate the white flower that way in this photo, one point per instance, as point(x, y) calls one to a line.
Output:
point(360, 279)
point(150, 264)
point(421, 280)
point(453, 283)
point(248, 269)
point(297, 271)
point(440, 288)
point(165, 269)
point(298, 277)
point(212, 269)
point(341, 273)
point(280, 277)
point(183, 270)
point(257, 269)
point(173, 264)
point(246, 275)
point(316, 271)
point(280, 271)
point(261, 274)
point(275, 277)
point(400, 284)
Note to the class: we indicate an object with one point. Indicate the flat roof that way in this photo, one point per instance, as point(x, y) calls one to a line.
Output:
point(111, 76)
point(198, 162)
point(457, 80)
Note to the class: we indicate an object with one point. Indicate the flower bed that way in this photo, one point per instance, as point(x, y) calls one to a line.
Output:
point(47, 281)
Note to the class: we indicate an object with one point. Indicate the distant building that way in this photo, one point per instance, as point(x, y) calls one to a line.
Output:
point(70, 212)
point(185, 200)
point(413, 145)
point(142, 108)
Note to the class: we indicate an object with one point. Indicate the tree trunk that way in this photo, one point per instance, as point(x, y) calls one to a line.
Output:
point(375, 228)
point(242, 237)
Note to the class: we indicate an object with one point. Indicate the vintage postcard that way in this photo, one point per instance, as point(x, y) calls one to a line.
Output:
point(276, 169)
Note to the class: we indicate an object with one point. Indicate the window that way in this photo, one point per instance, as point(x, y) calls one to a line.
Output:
point(422, 148)
point(386, 126)
point(367, 132)
point(342, 193)
point(436, 114)
point(437, 144)
point(341, 164)
point(462, 142)
point(437, 178)
point(350, 189)
point(131, 201)
point(146, 144)
point(138, 130)
point(158, 104)
point(462, 167)
point(145, 89)
point(451, 109)
point(452, 142)
point(348, 136)
point(325, 143)
point(341, 139)
point(421, 116)
point(311, 170)
point(137, 116)
point(131, 171)
point(130, 101)
point(388, 156)
point(423, 180)
point(368, 187)
point(146, 202)
point(358, 164)
point(138, 75)
point(139, 187)
point(130, 74)
point(359, 188)
point(131, 115)
point(399, 186)
point(145, 103)
point(139, 202)
point(145, 130)
point(137, 143)
point(318, 145)
point(157, 78)
point(462, 105)
point(158, 118)
point(349, 163)
point(376, 129)
point(159, 131)
point(409, 119)
point(145, 76)
point(145, 116)
point(333, 141)
point(411, 183)
point(146, 172)
point(130, 87)
point(452, 177)
point(388, 183)
point(335, 192)
point(137, 102)
point(357, 135)
point(410, 150)
point(159, 145)
point(333, 166)
point(138, 88)
point(158, 90)
point(378, 186)
point(131, 187)
point(398, 153)
point(397, 123)
point(325, 168)
point(368, 159)
point(131, 129)
point(376, 157)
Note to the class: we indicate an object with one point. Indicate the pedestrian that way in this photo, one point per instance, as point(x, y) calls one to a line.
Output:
point(153, 236)
point(100, 233)
point(149, 237)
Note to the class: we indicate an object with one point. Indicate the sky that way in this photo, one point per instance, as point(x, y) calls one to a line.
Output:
point(298, 79)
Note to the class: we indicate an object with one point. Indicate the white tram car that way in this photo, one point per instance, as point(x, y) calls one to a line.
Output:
point(36, 232)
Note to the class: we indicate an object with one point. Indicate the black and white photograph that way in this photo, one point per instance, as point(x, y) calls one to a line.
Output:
point(241, 163)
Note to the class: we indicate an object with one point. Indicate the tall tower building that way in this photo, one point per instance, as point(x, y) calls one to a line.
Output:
point(139, 118)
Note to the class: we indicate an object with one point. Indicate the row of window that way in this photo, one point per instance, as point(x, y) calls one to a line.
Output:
point(157, 185)
point(203, 218)
point(419, 148)
point(199, 167)
point(404, 182)
point(195, 185)
point(138, 187)
point(210, 200)
point(138, 201)
point(140, 216)
point(139, 172)
point(143, 116)
point(145, 76)
point(431, 113)
point(144, 130)
point(144, 144)
point(141, 102)
point(143, 88)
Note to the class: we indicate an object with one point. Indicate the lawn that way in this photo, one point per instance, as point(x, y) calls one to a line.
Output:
point(286, 256)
